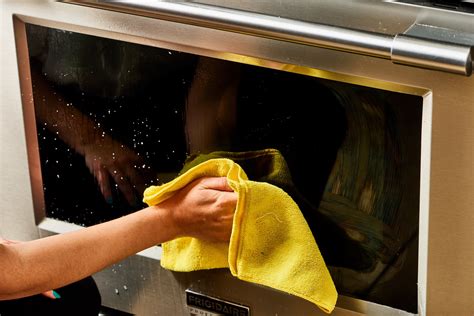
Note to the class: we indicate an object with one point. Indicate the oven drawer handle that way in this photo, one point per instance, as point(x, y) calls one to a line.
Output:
point(401, 49)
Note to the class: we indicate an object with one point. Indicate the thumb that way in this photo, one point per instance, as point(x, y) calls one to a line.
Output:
point(215, 183)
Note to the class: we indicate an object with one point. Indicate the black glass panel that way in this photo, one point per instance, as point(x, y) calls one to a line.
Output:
point(114, 117)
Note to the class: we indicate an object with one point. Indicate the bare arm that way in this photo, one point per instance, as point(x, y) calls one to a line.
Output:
point(203, 209)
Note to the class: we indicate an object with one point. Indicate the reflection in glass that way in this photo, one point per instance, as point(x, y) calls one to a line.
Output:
point(114, 117)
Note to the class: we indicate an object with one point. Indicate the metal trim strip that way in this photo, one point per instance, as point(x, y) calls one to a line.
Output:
point(400, 49)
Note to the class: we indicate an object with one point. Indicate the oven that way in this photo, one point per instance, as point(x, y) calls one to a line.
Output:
point(371, 104)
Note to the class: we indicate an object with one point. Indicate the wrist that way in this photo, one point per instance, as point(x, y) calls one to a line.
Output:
point(165, 222)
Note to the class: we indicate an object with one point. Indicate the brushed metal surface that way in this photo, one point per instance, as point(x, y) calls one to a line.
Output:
point(361, 42)
point(446, 256)
point(430, 54)
point(401, 49)
point(388, 17)
point(441, 34)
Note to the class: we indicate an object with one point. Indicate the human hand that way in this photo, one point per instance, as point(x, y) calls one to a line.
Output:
point(108, 159)
point(203, 209)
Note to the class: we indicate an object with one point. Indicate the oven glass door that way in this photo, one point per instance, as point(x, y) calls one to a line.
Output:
point(114, 117)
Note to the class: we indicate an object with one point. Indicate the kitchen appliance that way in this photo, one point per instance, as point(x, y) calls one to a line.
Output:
point(370, 102)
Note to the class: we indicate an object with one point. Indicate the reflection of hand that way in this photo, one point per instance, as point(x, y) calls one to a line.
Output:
point(105, 157)
point(108, 159)
point(203, 209)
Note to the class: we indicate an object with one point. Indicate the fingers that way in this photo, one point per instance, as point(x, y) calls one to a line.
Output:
point(52, 294)
point(203, 209)
point(215, 183)
point(124, 186)
point(130, 183)
point(227, 202)
point(136, 179)
point(104, 184)
point(101, 175)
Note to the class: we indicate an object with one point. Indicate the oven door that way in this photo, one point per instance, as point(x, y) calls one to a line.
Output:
point(376, 150)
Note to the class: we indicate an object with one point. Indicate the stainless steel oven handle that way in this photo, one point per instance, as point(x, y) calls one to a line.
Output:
point(401, 49)
point(431, 54)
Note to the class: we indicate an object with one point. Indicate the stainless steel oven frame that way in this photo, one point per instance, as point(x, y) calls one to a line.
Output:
point(138, 284)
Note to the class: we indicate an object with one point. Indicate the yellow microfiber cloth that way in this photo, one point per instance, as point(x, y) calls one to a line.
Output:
point(271, 243)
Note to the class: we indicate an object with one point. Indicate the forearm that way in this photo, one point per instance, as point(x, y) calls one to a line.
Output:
point(203, 209)
point(62, 118)
point(33, 267)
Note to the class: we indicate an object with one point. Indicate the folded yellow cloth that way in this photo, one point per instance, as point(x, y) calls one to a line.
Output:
point(271, 243)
